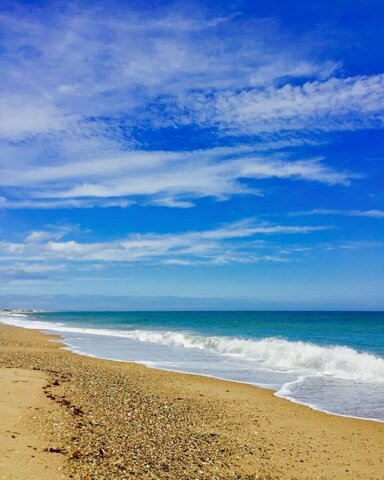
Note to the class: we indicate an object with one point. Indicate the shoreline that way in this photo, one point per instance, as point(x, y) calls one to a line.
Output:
point(184, 372)
point(152, 423)
point(275, 392)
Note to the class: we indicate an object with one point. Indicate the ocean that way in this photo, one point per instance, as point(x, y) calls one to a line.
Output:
point(330, 361)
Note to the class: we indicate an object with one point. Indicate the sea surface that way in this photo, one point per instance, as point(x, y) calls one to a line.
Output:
point(330, 361)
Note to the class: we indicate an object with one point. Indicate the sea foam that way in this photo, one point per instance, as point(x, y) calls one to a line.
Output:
point(270, 353)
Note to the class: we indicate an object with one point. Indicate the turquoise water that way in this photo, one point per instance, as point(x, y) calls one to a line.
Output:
point(332, 361)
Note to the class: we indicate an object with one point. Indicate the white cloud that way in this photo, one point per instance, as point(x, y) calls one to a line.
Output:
point(173, 179)
point(351, 213)
point(64, 203)
point(333, 104)
point(360, 244)
point(88, 62)
point(39, 267)
point(25, 115)
point(232, 243)
point(20, 272)
point(41, 236)
point(52, 233)
point(66, 136)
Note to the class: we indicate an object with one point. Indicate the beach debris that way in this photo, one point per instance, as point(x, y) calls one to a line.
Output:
point(102, 452)
point(77, 411)
point(55, 450)
point(76, 455)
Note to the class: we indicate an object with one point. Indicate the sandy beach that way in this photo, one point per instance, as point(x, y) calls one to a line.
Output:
point(70, 416)
point(23, 436)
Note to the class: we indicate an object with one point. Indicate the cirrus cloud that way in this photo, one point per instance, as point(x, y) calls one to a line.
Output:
point(235, 242)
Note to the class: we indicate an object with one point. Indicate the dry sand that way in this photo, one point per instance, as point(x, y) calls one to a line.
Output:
point(22, 441)
point(114, 421)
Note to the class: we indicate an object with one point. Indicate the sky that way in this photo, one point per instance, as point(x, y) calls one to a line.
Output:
point(192, 155)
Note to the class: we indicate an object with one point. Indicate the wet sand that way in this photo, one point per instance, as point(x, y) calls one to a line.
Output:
point(113, 420)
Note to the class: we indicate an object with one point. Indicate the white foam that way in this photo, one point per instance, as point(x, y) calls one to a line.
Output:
point(269, 353)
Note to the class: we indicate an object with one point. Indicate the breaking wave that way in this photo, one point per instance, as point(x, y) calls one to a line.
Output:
point(271, 353)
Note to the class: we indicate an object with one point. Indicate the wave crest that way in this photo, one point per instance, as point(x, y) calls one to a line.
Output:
point(271, 353)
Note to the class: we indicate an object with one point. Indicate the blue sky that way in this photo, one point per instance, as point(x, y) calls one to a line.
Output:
point(192, 154)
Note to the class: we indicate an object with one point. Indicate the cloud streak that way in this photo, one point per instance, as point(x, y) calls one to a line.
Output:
point(349, 213)
point(67, 135)
point(334, 104)
point(239, 242)
point(165, 178)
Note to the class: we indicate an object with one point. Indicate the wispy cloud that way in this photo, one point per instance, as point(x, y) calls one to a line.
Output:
point(350, 213)
point(173, 179)
point(91, 62)
point(27, 271)
point(63, 203)
point(53, 233)
point(334, 104)
point(231, 243)
point(183, 105)
point(67, 134)
point(361, 244)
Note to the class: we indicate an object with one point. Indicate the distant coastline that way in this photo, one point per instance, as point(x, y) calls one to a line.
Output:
point(19, 311)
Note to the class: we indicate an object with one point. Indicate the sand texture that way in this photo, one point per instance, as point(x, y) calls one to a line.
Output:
point(24, 414)
point(117, 421)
